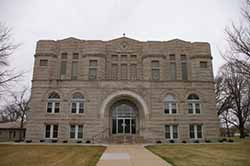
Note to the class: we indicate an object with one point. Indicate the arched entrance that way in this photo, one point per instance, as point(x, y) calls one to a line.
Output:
point(124, 118)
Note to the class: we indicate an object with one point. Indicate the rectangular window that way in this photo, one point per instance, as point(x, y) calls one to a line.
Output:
point(51, 131)
point(77, 107)
point(183, 57)
point(81, 107)
point(73, 107)
point(170, 108)
point(155, 70)
point(64, 55)
point(172, 71)
point(172, 57)
point(76, 131)
point(124, 57)
point(190, 108)
point(133, 57)
point(171, 131)
point(57, 107)
point(72, 131)
point(114, 57)
point(133, 71)
point(184, 73)
point(74, 70)
point(63, 70)
point(114, 72)
point(75, 55)
point(43, 62)
point(195, 131)
point(92, 69)
point(53, 107)
point(124, 71)
point(203, 64)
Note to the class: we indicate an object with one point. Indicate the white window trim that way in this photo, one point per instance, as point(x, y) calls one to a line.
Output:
point(170, 103)
point(53, 101)
point(77, 101)
point(76, 131)
point(194, 102)
point(171, 131)
point(51, 131)
point(196, 131)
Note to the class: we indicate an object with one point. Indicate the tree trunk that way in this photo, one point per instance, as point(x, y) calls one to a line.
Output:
point(242, 132)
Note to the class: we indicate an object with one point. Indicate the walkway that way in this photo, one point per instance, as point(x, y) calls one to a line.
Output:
point(129, 155)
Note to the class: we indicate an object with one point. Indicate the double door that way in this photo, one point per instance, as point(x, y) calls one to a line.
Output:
point(124, 126)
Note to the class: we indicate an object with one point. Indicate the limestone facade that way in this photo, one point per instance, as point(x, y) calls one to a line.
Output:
point(122, 70)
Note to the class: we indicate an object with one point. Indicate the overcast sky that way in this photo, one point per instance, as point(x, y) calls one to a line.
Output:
point(190, 20)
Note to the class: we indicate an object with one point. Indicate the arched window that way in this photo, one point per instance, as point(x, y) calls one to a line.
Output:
point(193, 104)
point(170, 105)
point(53, 103)
point(77, 103)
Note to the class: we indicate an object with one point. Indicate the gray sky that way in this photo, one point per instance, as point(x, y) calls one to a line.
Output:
point(190, 20)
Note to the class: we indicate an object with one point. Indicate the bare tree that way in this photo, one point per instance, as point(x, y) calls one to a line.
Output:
point(238, 37)
point(234, 106)
point(6, 50)
point(17, 109)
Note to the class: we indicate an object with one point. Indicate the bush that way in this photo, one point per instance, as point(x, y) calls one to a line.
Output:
point(184, 141)
point(230, 140)
point(54, 141)
point(28, 141)
point(223, 140)
point(65, 141)
point(42, 140)
point(207, 141)
point(171, 141)
point(79, 142)
point(196, 141)
point(158, 142)
point(18, 141)
point(88, 142)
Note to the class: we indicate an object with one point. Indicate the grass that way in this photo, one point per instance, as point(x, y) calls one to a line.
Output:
point(49, 155)
point(234, 154)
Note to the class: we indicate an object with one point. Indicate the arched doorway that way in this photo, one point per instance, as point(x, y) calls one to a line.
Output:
point(124, 118)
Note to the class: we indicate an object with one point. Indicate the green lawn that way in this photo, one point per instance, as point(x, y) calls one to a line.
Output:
point(49, 155)
point(234, 154)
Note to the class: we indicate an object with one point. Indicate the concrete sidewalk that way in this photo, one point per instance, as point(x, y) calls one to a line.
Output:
point(129, 155)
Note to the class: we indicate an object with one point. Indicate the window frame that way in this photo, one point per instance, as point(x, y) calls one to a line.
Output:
point(76, 131)
point(195, 126)
point(155, 69)
point(53, 102)
point(171, 131)
point(93, 68)
point(51, 131)
point(193, 103)
point(78, 102)
point(169, 103)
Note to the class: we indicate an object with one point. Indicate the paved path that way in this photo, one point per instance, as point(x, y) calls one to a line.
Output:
point(129, 155)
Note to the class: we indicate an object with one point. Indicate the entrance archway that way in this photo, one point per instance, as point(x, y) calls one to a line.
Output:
point(124, 117)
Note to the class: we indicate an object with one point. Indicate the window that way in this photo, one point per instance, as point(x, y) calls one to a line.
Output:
point(184, 73)
point(155, 70)
point(124, 57)
point(51, 131)
point(203, 64)
point(77, 103)
point(75, 55)
point(76, 131)
point(133, 57)
point(133, 71)
point(172, 57)
point(171, 131)
point(74, 70)
point(195, 131)
point(169, 105)
point(92, 69)
point(114, 72)
point(193, 104)
point(124, 71)
point(172, 71)
point(43, 62)
point(115, 57)
point(63, 70)
point(53, 103)
point(64, 55)
point(183, 57)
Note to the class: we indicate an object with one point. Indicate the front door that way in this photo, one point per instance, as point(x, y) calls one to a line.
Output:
point(124, 126)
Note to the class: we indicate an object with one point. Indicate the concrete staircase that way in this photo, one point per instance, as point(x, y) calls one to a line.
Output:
point(126, 139)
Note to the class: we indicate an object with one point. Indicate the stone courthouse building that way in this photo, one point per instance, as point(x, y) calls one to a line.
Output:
point(122, 90)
